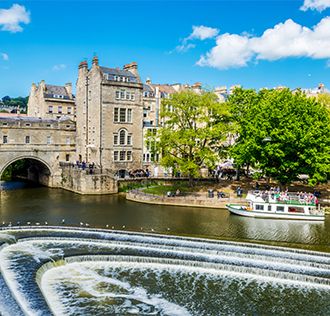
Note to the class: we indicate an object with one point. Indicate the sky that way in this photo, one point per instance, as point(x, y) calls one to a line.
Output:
point(256, 44)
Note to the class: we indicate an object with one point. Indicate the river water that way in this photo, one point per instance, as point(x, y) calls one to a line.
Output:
point(138, 259)
point(53, 206)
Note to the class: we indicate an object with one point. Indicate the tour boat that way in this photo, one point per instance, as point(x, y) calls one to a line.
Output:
point(285, 205)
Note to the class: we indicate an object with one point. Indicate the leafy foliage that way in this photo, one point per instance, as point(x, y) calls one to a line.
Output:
point(20, 102)
point(193, 132)
point(282, 133)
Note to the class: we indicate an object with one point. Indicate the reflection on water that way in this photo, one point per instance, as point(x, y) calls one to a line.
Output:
point(53, 206)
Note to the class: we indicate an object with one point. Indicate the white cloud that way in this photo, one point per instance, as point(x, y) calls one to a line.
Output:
point(59, 67)
point(318, 5)
point(201, 33)
point(10, 19)
point(184, 47)
point(284, 40)
point(5, 56)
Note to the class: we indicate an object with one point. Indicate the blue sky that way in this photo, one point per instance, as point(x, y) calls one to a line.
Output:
point(47, 40)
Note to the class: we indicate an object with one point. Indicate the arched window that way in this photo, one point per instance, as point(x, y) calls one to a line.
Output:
point(122, 137)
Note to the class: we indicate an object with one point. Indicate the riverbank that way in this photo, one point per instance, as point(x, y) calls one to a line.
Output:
point(192, 200)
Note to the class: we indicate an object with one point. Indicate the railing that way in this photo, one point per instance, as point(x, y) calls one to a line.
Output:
point(286, 197)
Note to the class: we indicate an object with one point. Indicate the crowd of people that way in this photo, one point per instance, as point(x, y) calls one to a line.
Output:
point(285, 196)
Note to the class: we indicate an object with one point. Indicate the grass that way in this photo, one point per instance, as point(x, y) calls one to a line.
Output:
point(162, 189)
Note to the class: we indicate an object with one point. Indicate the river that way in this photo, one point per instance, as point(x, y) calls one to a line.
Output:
point(126, 258)
point(40, 205)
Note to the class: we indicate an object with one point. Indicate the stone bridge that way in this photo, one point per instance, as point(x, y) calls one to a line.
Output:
point(42, 143)
point(48, 147)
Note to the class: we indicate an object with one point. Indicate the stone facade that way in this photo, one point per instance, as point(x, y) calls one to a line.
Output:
point(109, 117)
point(50, 101)
point(47, 141)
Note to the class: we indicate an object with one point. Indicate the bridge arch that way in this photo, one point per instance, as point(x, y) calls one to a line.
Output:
point(42, 171)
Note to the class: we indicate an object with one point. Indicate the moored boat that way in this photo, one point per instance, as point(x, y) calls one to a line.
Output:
point(285, 205)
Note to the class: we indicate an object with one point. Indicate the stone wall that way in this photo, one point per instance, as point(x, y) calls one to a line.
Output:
point(195, 200)
point(79, 181)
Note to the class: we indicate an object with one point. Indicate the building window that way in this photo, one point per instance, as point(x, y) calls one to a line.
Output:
point(122, 155)
point(5, 139)
point(27, 139)
point(115, 155)
point(122, 116)
point(49, 140)
point(122, 94)
point(67, 157)
point(50, 109)
point(129, 115)
point(69, 110)
point(116, 114)
point(60, 109)
point(115, 139)
point(129, 155)
point(129, 139)
point(122, 136)
point(117, 95)
point(68, 140)
point(132, 96)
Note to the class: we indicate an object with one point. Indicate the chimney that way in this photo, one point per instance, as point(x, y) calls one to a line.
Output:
point(68, 88)
point(33, 89)
point(42, 85)
point(133, 68)
point(83, 64)
point(197, 85)
point(95, 61)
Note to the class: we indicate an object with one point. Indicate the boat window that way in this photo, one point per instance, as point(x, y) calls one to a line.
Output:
point(269, 207)
point(296, 209)
point(280, 208)
point(259, 207)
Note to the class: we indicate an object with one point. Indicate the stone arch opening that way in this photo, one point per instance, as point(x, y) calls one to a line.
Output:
point(27, 168)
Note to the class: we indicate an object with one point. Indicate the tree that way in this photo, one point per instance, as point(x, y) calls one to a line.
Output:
point(282, 133)
point(195, 126)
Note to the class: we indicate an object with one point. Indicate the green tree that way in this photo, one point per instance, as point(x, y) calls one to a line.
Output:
point(195, 127)
point(282, 133)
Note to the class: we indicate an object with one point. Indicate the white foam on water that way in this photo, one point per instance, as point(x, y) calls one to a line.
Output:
point(275, 264)
point(7, 237)
point(84, 275)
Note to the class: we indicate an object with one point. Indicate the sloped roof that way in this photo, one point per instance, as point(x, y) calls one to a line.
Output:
point(59, 90)
point(165, 88)
point(117, 72)
point(148, 88)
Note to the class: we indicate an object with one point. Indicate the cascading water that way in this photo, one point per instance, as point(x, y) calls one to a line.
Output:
point(66, 271)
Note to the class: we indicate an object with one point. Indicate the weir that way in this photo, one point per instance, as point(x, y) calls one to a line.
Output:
point(39, 252)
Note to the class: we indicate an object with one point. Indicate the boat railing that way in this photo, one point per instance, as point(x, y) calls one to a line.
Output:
point(285, 197)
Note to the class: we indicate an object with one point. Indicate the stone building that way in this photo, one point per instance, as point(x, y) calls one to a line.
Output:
point(50, 101)
point(110, 117)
